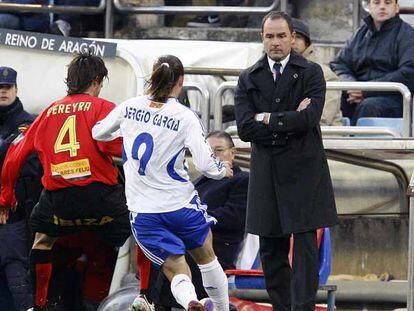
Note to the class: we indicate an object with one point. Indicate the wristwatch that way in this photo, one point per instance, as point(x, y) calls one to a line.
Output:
point(259, 117)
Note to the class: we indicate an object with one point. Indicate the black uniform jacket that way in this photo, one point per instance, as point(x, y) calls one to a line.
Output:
point(13, 121)
point(290, 188)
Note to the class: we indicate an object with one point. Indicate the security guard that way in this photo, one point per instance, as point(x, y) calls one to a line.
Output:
point(14, 234)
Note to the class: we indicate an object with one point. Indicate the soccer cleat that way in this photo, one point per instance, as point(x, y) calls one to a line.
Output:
point(208, 304)
point(141, 303)
point(195, 306)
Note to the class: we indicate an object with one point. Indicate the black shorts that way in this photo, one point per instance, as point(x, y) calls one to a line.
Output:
point(98, 207)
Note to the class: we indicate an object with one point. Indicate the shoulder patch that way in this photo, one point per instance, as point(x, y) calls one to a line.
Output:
point(18, 139)
point(22, 127)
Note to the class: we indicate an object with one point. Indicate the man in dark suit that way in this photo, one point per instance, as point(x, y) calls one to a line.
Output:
point(278, 104)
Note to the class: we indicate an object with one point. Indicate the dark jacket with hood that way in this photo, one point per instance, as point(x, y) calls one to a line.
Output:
point(385, 55)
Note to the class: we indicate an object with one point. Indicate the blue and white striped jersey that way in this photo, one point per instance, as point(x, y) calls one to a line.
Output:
point(155, 137)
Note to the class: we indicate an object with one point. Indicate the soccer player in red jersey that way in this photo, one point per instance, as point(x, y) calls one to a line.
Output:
point(80, 179)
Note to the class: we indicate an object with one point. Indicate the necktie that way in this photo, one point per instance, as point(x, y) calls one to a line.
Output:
point(276, 70)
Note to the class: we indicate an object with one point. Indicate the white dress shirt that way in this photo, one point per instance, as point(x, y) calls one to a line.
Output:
point(283, 64)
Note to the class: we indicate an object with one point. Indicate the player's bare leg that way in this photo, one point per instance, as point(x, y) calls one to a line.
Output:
point(41, 268)
point(178, 273)
point(214, 279)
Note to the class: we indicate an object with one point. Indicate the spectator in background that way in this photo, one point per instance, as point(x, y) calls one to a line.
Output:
point(214, 20)
point(382, 50)
point(36, 22)
point(14, 242)
point(226, 200)
point(331, 114)
point(71, 23)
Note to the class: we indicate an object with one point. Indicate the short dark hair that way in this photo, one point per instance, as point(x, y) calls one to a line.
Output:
point(166, 71)
point(83, 70)
point(278, 15)
point(222, 134)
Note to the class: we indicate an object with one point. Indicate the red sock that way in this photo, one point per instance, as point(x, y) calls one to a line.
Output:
point(43, 274)
point(40, 272)
point(144, 266)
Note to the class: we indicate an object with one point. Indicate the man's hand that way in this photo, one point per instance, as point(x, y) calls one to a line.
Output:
point(304, 104)
point(4, 214)
point(354, 97)
point(229, 169)
point(5, 210)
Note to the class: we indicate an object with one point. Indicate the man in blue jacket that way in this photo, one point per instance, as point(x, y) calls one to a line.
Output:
point(381, 50)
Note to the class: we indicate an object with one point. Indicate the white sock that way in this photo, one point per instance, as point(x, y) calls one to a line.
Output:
point(216, 285)
point(183, 290)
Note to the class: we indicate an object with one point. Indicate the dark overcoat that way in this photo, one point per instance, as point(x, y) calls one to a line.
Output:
point(290, 188)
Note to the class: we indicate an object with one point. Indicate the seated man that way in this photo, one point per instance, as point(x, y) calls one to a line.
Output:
point(331, 114)
point(38, 22)
point(226, 200)
point(381, 51)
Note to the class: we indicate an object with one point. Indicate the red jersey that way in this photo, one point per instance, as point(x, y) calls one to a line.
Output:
point(62, 137)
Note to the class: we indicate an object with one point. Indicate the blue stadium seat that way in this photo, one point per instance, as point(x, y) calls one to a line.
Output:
point(395, 123)
point(345, 121)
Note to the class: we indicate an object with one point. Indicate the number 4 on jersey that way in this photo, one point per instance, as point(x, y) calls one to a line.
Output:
point(69, 128)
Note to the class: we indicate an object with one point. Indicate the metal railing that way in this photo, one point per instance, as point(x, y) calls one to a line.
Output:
point(344, 131)
point(356, 15)
point(204, 107)
point(381, 87)
point(104, 6)
point(107, 7)
point(52, 8)
point(341, 86)
point(199, 10)
point(212, 71)
point(359, 130)
point(410, 277)
point(218, 102)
